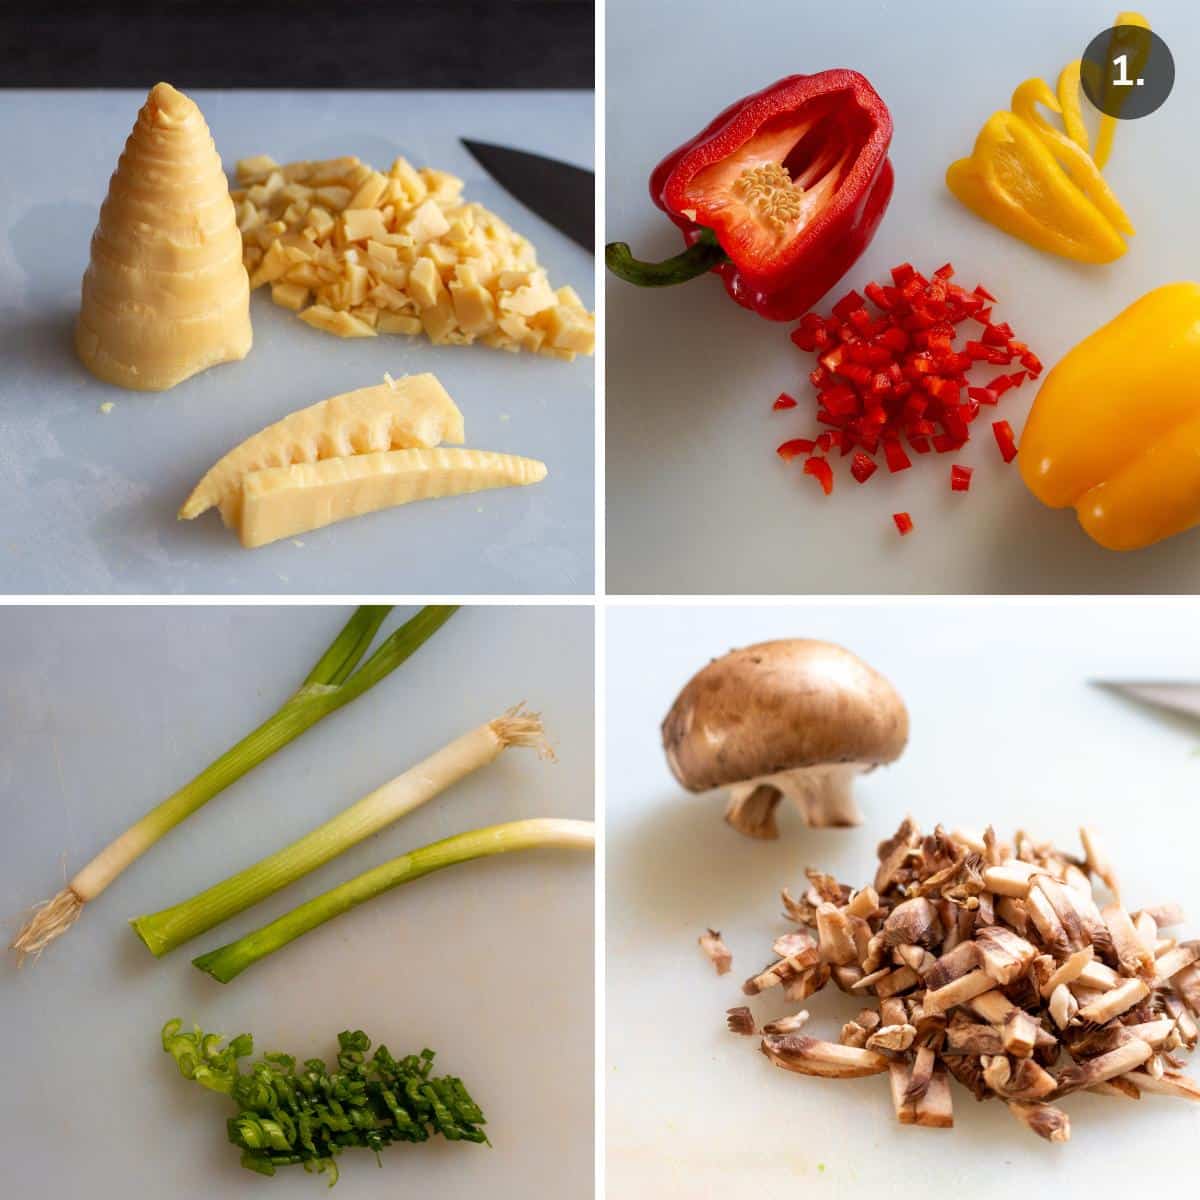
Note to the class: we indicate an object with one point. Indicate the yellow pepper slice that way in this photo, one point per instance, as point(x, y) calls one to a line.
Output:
point(1137, 62)
point(1014, 181)
point(1115, 428)
point(1074, 160)
point(1069, 85)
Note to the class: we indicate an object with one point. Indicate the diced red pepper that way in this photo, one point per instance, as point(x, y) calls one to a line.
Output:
point(847, 304)
point(904, 522)
point(862, 467)
point(878, 296)
point(896, 379)
point(1031, 363)
point(984, 395)
point(789, 450)
point(784, 401)
point(1005, 440)
point(821, 471)
point(893, 452)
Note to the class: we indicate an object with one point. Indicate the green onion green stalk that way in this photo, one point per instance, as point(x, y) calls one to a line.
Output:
point(163, 931)
point(228, 962)
point(331, 684)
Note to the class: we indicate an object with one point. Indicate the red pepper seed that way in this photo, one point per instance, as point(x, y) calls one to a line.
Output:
point(904, 522)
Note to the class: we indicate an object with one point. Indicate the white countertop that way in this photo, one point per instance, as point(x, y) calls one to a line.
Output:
point(697, 499)
point(1004, 729)
point(107, 710)
point(88, 499)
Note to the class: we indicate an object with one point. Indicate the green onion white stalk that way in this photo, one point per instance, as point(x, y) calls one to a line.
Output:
point(330, 685)
point(229, 961)
point(163, 931)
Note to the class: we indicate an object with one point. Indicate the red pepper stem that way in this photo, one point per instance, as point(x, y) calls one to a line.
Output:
point(698, 259)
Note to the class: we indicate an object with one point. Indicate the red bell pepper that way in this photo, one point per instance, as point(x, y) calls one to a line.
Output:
point(779, 195)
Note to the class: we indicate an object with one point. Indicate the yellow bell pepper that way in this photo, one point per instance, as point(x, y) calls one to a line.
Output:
point(1041, 184)
point(1014, 180)
point(1115, 428)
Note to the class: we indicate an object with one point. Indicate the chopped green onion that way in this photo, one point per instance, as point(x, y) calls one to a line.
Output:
point(227, 962)
point(309, 1116)
point(332, 683)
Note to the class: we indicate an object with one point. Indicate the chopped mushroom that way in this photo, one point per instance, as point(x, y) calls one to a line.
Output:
point(787, 1024)
point(718, 953)
point(1044, 1119)
point(741, 1020)
point(989, 962)
point(811, 1056)
point(795, 718)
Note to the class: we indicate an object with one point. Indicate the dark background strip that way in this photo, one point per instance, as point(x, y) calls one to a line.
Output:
point(336, 44)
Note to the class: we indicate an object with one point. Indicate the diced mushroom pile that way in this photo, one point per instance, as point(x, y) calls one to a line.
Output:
point(992, 963)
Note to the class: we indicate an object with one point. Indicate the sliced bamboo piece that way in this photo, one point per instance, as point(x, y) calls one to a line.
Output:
point(282, 502)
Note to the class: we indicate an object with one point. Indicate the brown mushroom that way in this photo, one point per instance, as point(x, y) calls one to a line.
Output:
point(795, 718)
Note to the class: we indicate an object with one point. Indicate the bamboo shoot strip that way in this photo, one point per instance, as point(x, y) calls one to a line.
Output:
point(164, 931)
point(332, 683)
point(227, 962)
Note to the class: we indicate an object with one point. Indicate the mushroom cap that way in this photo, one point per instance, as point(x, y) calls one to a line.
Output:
point(778, 706)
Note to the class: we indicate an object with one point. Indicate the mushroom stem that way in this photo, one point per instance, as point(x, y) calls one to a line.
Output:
point(751, 810)
point(824, 796)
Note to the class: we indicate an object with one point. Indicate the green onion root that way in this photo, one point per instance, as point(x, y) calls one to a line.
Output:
point(328, 687)
point(227, 962)
point(163, 931)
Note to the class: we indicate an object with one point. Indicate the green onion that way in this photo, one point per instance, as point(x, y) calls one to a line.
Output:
point(310, 1115)
point(227, 962)
point(332, 683)
point(163, 931)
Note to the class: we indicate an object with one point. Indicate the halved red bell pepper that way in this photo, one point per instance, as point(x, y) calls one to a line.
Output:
point(779, 195)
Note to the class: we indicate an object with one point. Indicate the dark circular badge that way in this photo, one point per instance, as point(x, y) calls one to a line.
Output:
point(1127, 72)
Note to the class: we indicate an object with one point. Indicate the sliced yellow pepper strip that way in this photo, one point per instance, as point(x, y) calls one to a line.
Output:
point(1014, 181)
point(1075, 161)
point(1069, 86)
point(1108, 125)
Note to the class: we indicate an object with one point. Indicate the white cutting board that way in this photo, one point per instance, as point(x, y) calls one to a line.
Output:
point(1004, 728)
point(697, 499)
point(88, 500)
point(104, 711)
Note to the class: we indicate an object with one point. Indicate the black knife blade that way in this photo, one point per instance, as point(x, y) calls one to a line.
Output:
point(558, 192)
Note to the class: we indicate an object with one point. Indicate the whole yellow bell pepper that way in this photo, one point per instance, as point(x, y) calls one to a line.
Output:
point(1115, 428)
